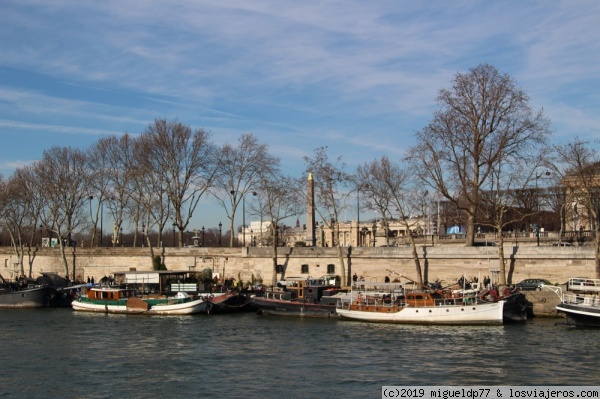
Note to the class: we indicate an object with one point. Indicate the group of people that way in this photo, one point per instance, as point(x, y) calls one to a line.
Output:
point(467, 284)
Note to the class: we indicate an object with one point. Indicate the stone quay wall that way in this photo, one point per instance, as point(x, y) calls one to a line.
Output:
point(444, 262)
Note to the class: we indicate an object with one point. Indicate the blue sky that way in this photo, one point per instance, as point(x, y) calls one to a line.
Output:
point(359, 77)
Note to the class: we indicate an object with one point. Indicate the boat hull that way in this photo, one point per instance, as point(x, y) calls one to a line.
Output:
point(39, 297)
point(231, 302)
point(580, 315)
point(474, 314)
point(280, 307)
point(152, 308)
point(516, 308)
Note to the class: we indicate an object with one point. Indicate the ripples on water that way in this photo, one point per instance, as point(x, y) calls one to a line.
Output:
point(58, 353)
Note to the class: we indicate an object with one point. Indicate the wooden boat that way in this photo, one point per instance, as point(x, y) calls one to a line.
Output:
point(125, 300)
point(302, 297)
point(392, 303)
point(581, 310)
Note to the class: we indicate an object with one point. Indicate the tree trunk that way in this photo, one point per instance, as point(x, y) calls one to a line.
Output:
point(501, 260)
point(597, 250)
point(342, 264)
point(415, 255)
point(470, 233)
point(274, 282)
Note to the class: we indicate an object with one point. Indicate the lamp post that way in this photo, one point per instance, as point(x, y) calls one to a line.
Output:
point(374, 235)
point(220, 227)
point(332, 217)
point(174, 225)
point(143, 235)
point(358, 210)
point(537, 229)
point(202, 235)
point(92, 243)
point(254, 193)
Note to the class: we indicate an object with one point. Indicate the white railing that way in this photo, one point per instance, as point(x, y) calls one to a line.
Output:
point(583, 284)
point(582, 300)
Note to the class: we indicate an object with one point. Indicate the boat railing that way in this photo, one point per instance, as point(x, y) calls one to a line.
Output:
point(592, 301)
point(381, 299)
point(583, 284)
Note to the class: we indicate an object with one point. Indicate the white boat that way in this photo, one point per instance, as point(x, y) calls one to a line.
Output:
point(582, 284)
point(580, 310)
point(391, 303)
point(128, 301)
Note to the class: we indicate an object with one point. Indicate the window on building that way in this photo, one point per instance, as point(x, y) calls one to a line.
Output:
point(330, 268)
point(279, 269)
point(305, 269)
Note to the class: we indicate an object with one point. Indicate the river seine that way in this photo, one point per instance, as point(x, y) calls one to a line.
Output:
point(58, 353)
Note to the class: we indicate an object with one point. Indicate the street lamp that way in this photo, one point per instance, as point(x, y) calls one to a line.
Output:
point(143, 235)
point(537, 230)
point(202, 235)
point(358, 209)
point(254, 193)
point(374, 227)
point(220, 227)
point(174, 225)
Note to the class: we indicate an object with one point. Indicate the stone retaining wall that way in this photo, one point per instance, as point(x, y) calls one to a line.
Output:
point(446, 263)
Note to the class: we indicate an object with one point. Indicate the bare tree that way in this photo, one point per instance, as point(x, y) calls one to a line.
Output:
point(116, 157)
point(22, 204)
point(64, 178)
point(150, 195)
point(391, 187)
point(240, 169)
point(187, 160)
point(483, 117)
point(500, 200)
point(331, 197)
point(581, 180)
point(279, 199)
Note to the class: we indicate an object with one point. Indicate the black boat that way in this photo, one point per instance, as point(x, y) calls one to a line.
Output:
point(24, 293)
point(516, 306)
point(580, 310)
point(302, 298)
point(229, 302)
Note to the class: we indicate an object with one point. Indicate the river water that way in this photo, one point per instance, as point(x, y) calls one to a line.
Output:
point(58, 353)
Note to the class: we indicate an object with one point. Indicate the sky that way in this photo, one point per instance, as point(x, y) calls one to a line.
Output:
point(358, 77)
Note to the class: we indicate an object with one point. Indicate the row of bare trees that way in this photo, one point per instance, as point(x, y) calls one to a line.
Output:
point(483, 150)
point(154, 181)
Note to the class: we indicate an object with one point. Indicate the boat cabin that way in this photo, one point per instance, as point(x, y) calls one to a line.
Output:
point(309, 289)
point(110, 294)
